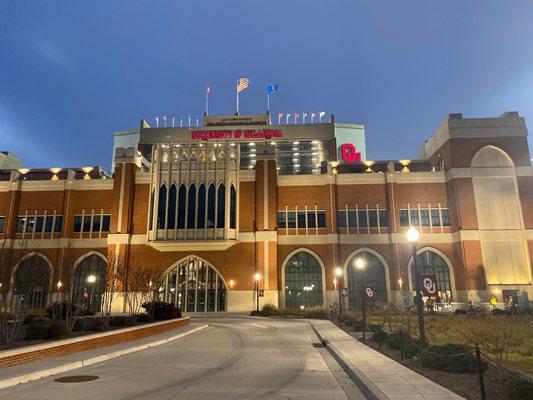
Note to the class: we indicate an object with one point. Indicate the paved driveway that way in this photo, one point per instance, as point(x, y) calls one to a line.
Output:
point(235, 358)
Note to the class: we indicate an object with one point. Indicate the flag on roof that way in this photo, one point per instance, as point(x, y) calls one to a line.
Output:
point(208, 90)
point(272, 88)
point(322, 113)
point(242, 83)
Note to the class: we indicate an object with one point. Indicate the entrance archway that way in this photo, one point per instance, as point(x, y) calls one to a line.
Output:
point(430, 262)
point(194, 285)
point(374, 273)
point(89, 281)
point(303, 275)
point(31, 284)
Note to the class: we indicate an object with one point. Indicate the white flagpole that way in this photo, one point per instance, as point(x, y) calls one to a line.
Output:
point(173, 118)
point(197, 120)
point(157, 122)
point(189, 120)
point(268, 102)
point(181, 121)
point(305, 115)
point(207, 102)
point(237, 89)
point(312, 117)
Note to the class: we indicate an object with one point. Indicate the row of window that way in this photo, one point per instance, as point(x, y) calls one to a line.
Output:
point(301, 219)
point(2, 222)
point(91, 223)
point(39, 223)
point(196, 209)
point(363, 218)
point(425, 217)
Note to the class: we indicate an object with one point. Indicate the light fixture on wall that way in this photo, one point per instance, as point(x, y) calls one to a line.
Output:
point(91, 278)
point(405, 163)
point(55, 171)
point(87, 171)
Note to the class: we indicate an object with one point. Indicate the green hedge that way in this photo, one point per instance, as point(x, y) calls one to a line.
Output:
point(446, 358)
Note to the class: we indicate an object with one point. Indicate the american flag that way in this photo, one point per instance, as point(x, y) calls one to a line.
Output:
point(208, 90)
point(242, 83)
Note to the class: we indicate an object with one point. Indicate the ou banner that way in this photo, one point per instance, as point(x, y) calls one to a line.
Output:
point(369, 291)
point(429, 285)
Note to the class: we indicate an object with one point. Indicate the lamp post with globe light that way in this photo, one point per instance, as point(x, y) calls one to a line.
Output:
point(257, 278)
point(412, 237)
point(360, 264)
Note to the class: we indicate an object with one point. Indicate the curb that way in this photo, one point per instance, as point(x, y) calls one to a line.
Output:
point(32, 376)
point(368, 388)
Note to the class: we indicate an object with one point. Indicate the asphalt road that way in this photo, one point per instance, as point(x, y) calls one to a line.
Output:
point(235, 358)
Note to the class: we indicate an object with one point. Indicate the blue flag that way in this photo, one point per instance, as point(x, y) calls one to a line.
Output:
point(271, 89)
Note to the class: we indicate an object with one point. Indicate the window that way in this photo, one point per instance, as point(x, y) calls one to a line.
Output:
point(182, 200)
point(372, 218)
point(172, 207)
point(282, 219)
point(301, 219)
point(359, 218)
point(162, 207)
point(191, 211)
point(341, 219)
point(311, 219)
point(291, 219)
point(422, 218)
point(232, 207)
point(200, 223)
point(352, 218)
point(383, 218)
point(41, 223)
point(97, 220)
point(211, 206)
point(321, 219)
point(221, 205)
point(2, 222)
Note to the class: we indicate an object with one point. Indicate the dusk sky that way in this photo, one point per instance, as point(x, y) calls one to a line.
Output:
point(72, 73)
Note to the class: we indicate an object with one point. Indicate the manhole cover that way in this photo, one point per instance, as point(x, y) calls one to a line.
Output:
point(76, 378)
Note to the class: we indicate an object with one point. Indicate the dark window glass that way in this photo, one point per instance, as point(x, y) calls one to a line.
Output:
point(321, 215)
point(86, 223)
point(31, 284)
point(211, 206)
point(162, 205)
point(172, 207)
point(424, 217)
point(89, 294)
point(59, 222)
point(77, 223)
point(96, 223)
point(282, 220)
point(404, 218)
point(415, 218)
point(303, 281)
point(291, 219)
point(105, 223)
point(301, 219)
point(39, 224)
point(430, 263)
point(341, 219)
point(48, 223)
point(445, 217)
point(2, 222)
point(372, 218)
point(20, 224)
point(383, 218)
point(232, 207)
point(373, 274)
point(30, 224)
point(352, 219)
point(311, 219)
point(151, 222)
point(191, 212)
point(362, 219)
point(435, 220)
point(200, 223)
point(182, 199)
point(221, 205)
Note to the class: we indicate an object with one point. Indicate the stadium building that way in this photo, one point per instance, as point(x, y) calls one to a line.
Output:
point(241, 209)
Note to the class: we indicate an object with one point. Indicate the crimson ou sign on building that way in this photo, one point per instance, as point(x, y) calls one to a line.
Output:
point(349, 153)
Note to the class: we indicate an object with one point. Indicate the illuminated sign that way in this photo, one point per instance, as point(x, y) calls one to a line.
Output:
point(237, 134)
point(232, 120)
point(349, 153)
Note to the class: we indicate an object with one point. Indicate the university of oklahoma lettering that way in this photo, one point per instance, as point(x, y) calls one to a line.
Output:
point(237, 134)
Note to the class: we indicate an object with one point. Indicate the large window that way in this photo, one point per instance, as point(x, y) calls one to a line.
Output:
point(2, 223)
point(221, 202)
point(232, 207)
point(430, 263)
point(303, 281)
point(89, 282)
point(162, 204)
point(31, 283)
point(194, 286)
point(425, 217)
point(363, 218)
point(302, 219)
point(39, 224)
point(92, 223)
point(373, 274)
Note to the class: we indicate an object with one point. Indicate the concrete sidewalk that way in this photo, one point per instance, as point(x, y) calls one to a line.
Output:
point(18, 374)
point(384, 377)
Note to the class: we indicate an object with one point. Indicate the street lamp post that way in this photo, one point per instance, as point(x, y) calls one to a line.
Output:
point(413, 236)
point(257, 277)
point(360, 264)
point(338, 273)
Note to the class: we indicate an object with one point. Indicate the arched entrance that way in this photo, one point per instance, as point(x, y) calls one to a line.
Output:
point(373, 274)
point(89, 281)
point(430, 262)
point(303, 281)
point(194, 285)
point(31, 284)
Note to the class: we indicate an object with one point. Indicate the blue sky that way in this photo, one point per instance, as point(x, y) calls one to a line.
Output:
point(71, 73)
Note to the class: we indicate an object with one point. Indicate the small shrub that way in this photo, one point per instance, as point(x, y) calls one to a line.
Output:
point(315, 313)
point(95, 325)
point(410, 346)
point(357, 325)
point(143, 318)
point(498, 311)
point(518, 389)
point(79, 325)
point(31, 318)
point(379, 334)
point(85, 312)
point(161, 311)
point(438, 358)
point(34, 332)
point(54, 331)
point(120, 321)
point(59, 309)
point(269, 310)
point(458, 311)
point(255, 313)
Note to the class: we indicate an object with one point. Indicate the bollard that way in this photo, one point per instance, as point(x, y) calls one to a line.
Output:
point(480, 373)
point(401, 345)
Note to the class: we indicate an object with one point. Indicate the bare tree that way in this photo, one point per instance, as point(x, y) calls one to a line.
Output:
point(110, 294)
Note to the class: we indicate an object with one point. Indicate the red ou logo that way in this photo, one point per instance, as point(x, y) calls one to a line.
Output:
point(349, 153)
